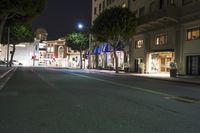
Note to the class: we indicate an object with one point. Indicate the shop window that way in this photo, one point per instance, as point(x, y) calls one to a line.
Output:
point(139, 44)
point(161, 39)
point(193, 65)
point(193, 33)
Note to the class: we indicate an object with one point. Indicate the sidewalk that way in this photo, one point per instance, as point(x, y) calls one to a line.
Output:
point(164, 76)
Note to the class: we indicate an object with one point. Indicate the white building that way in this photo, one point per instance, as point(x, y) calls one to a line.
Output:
point(24, 53)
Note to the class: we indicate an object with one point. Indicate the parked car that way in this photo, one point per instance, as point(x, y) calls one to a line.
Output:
point(3, 63)
point(16, 63)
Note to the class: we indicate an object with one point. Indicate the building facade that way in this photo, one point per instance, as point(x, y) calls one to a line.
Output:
point(60, 55)
point(101, 55)
point(167, 31)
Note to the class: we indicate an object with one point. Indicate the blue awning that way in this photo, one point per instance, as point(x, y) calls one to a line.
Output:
point(105, 47)
point(96, 50)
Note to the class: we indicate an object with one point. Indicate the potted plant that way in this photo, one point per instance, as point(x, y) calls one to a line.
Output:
point(142, 67)
point(126, 67)
point(173, 69)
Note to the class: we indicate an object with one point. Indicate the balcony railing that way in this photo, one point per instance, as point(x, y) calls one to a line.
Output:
point(172, 12)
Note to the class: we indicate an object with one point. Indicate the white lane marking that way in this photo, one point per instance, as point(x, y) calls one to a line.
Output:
point(140, 89)
point(8, 78)
point(5, 73)
point(44, 79)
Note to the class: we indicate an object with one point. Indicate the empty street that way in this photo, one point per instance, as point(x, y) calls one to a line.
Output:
point(47, 100)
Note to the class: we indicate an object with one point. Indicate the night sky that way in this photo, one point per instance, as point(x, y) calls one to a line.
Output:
point(61, 17)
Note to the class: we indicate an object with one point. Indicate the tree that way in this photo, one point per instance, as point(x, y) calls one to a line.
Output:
point(113, 26)
point(19, 10)
point(78, 41)
point(19, 32)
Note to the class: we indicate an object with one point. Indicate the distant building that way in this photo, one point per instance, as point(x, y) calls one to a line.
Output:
point(23, 53)
point(168, 31)
point(58, 54)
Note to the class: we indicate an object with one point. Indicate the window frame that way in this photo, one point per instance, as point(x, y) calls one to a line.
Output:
point(159, 37)
point(139, 44)
point(190, 31)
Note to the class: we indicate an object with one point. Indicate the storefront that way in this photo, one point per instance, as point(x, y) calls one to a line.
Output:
point(193, 65)
point(159, 61)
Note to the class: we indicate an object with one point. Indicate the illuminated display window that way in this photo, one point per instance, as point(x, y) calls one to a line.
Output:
point(193, 33)
point(139, 44)
point(161, 39)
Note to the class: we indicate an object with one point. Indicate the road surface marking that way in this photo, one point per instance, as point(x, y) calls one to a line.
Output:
point(4, 74)
point(140, 89)
point(43, 79)
point(8, 78)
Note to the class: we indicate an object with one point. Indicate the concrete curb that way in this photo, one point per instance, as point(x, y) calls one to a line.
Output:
point(170, 79)
point(176, 79)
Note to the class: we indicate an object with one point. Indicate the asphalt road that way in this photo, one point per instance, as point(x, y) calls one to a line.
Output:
point(46, 100)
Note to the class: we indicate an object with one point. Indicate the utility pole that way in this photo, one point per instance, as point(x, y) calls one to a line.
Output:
point(8, 45)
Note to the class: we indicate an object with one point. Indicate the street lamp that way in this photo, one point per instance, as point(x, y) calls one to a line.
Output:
point(80, 26)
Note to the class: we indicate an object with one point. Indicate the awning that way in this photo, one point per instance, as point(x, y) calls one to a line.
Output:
point(96, 50)
point(105, 47)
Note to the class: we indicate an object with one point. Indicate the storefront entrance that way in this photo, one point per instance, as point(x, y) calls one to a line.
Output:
point(159, 61)
point(193, 65)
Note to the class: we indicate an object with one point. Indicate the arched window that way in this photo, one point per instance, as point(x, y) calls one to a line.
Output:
point(60, 52)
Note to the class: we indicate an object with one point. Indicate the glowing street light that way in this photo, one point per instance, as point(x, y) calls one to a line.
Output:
point(80, 26)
